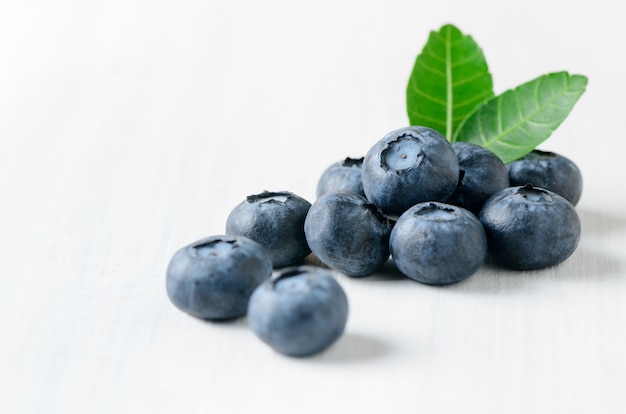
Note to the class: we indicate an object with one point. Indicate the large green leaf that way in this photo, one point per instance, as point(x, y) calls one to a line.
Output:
point(512, 124)
point(449, 79)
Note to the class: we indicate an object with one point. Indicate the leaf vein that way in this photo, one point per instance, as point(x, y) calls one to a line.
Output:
point(449, 85)
point(481, 133)
point(469, 79)
point(478, 97)
point(467, 59)
point(427, 118)
point(434, 55)
point(431, 68)
point(423, 94)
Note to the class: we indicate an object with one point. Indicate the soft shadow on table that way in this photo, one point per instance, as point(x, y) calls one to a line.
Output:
point(388, 271)
point(233, 323)
point(586, 264)
point(492, 279)
point(355, 347)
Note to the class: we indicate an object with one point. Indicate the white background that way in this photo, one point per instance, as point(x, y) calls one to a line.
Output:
point(131, 128)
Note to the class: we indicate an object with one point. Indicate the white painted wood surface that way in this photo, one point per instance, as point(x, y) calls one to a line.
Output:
point(131, 128)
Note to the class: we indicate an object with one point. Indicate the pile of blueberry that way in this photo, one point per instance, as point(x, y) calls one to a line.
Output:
point(438, 209)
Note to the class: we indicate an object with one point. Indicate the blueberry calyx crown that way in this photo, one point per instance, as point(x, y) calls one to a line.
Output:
point(539, 155)
point(461, 176)
point(353, 162)
point(536, 194)
point(270, 197)
point(437, 212)
point(214, 247)
point(376, 212)
point(402, 154)
point(285, 281)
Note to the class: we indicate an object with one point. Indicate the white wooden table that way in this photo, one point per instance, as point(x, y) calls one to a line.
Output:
point(131, 128)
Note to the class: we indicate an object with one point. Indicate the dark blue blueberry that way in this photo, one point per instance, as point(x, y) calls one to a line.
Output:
point(275, 220)
point(348, 233)
point(408, 166)
point(530, 227)
point(343, 175)
point(213, 278)
point(438, 243)
point(481, 175)
point(548, 170)
point(299, 313)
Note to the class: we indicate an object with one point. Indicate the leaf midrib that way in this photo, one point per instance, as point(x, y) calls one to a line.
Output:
point(449, 82)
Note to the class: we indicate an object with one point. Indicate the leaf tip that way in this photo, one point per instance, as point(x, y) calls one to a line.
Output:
point(580, 80)
point(451, 30)
point(576, 81)
point(448, 26)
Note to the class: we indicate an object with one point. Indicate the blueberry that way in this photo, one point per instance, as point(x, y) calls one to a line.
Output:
point(342, 175)
point(213, 278)
point(438, 243)
point(481, 175)
point(299, 313)
point(530, 227)
point(548, 170)
point(348, 233)
point(275, 220)
point(408, 166)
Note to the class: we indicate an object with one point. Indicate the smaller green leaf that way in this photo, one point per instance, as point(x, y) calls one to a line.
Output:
point(512, 124)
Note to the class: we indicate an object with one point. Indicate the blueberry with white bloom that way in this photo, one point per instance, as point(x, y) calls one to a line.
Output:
point(530, 227)
point(481, 175)
point(300, 312)
point(342, 175)
point(438, 243)
point(348, 233)
point(275, 220)
point(548, 170)
point(213, 278)
point(408, 166)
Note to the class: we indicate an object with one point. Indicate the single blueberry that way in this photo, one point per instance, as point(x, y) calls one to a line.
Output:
point(213, 278)
point(530, 227)
point(408, 166)
point(348, 233)
point(275, 220)
point(342, 175)
point(438, 243)
point(481, 175)
point(301, 312)
point(548, 170)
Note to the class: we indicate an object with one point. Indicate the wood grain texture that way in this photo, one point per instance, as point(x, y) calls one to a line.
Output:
point(129, 129)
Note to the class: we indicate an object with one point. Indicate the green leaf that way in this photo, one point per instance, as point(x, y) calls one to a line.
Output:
point(512, 124)
point(449, 79)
